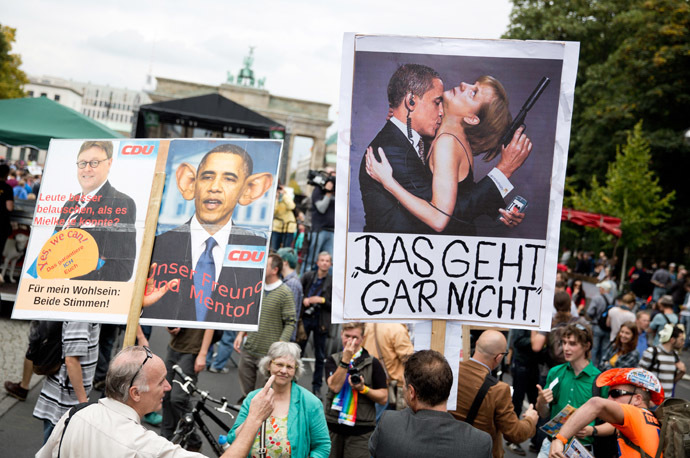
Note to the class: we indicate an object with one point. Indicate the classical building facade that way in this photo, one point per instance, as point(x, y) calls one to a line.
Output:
point(300, 117)
point(55, 89)
point(112, 106)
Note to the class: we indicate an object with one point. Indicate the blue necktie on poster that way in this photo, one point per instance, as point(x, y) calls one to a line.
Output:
point(205, 267)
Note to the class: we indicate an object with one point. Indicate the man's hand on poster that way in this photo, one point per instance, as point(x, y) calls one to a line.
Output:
point(515, 154)
point(153, 294)
point(379, 171)
point(173, 331)
point(510, 219)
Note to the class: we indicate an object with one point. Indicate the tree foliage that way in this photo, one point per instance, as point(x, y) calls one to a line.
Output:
point(12, 78)
point(634, 60)
point(631, 192)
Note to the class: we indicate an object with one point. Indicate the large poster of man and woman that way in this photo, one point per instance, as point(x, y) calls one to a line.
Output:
point(455, 154)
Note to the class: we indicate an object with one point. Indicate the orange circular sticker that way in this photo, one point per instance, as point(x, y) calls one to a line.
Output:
point(67, 254)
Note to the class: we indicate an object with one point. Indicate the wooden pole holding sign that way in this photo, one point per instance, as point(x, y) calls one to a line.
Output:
point(467, 341)
point(144, 258)
point(438, 335)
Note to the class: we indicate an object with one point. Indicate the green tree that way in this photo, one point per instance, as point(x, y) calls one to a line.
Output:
point(631, 192)
point(634, 56)
point(12, 78)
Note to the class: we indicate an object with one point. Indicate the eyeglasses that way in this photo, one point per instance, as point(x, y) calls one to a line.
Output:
point(93, 164)
point(616, 393)
point(149, 355)
point(502, 354)
point(581, 327)
point(288, 367)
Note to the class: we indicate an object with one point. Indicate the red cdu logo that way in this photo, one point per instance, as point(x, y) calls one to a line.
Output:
point(245, 256)
point(133, 150)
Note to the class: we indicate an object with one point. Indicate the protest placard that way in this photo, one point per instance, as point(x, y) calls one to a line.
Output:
point(85, 236)
point(86, 230)
point(420, 232)
point(211, 246)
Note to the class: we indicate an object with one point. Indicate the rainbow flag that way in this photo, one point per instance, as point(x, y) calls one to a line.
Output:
point(345, 401)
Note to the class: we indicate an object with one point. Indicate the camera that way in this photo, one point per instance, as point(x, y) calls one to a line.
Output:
point(320, 178)
point(355, 376)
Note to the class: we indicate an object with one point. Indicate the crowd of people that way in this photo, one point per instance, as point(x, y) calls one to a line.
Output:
point(612, 356)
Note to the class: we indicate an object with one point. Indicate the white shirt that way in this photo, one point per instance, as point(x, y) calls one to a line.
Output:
point(272, 286)
point(502, 183)
point(82, 202)
point(109, 429)
point(199, 237)
point(403, 128)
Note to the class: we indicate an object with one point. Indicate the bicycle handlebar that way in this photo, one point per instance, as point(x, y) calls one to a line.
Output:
point(190, 388)
point(182, 375)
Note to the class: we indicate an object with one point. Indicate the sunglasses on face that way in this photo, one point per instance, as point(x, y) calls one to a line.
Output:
point(149, 355)
point(616, 393)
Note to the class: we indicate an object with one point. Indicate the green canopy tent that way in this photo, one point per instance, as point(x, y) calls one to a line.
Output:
point(34, 121)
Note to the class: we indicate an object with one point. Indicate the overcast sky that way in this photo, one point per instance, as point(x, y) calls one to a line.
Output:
point(298, 42)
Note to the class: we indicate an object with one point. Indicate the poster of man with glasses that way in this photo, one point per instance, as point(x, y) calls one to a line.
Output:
point(87, 229)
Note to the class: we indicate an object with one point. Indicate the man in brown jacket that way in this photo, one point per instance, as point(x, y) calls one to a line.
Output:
point(390, 343)
point(495, 414)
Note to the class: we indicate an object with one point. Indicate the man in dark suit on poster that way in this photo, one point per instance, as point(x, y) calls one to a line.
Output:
point(104, 212)
point(415, 97)
point(191, 279)
point(415, 93)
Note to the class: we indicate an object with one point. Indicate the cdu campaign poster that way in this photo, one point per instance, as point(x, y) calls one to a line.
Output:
point(211, 246)
point(455, 152)
point(86, 231)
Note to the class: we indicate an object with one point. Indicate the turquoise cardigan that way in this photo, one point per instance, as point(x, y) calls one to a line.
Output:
point(307, 429)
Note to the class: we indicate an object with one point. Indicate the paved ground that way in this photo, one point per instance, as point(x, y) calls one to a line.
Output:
point(14, 338)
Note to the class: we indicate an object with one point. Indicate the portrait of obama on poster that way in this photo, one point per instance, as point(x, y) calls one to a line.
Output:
point(210, 250)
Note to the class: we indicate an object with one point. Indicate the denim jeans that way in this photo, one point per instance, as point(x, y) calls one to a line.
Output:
point(281, 238)
point(224, 351)
point(48, 428)
point(311, 325)
point(320, 241)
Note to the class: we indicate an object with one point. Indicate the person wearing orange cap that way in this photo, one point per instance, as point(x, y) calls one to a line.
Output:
point(631, 391)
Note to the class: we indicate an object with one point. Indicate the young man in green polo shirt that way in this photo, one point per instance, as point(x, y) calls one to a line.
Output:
point(571, 382)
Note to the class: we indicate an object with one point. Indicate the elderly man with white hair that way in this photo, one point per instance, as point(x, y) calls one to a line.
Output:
point(135, 386)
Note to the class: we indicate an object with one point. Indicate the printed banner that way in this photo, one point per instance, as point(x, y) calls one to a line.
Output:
point(212, 238)
point(86, 231)
point(211, 244)
point(455, 152)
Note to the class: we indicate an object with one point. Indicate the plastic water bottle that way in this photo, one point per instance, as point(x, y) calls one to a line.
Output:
point(223, 441)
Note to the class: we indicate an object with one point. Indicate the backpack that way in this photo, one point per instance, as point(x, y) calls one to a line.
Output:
point(45, 347)
point(674, 439)
point(601, 319)
point(655, 364)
